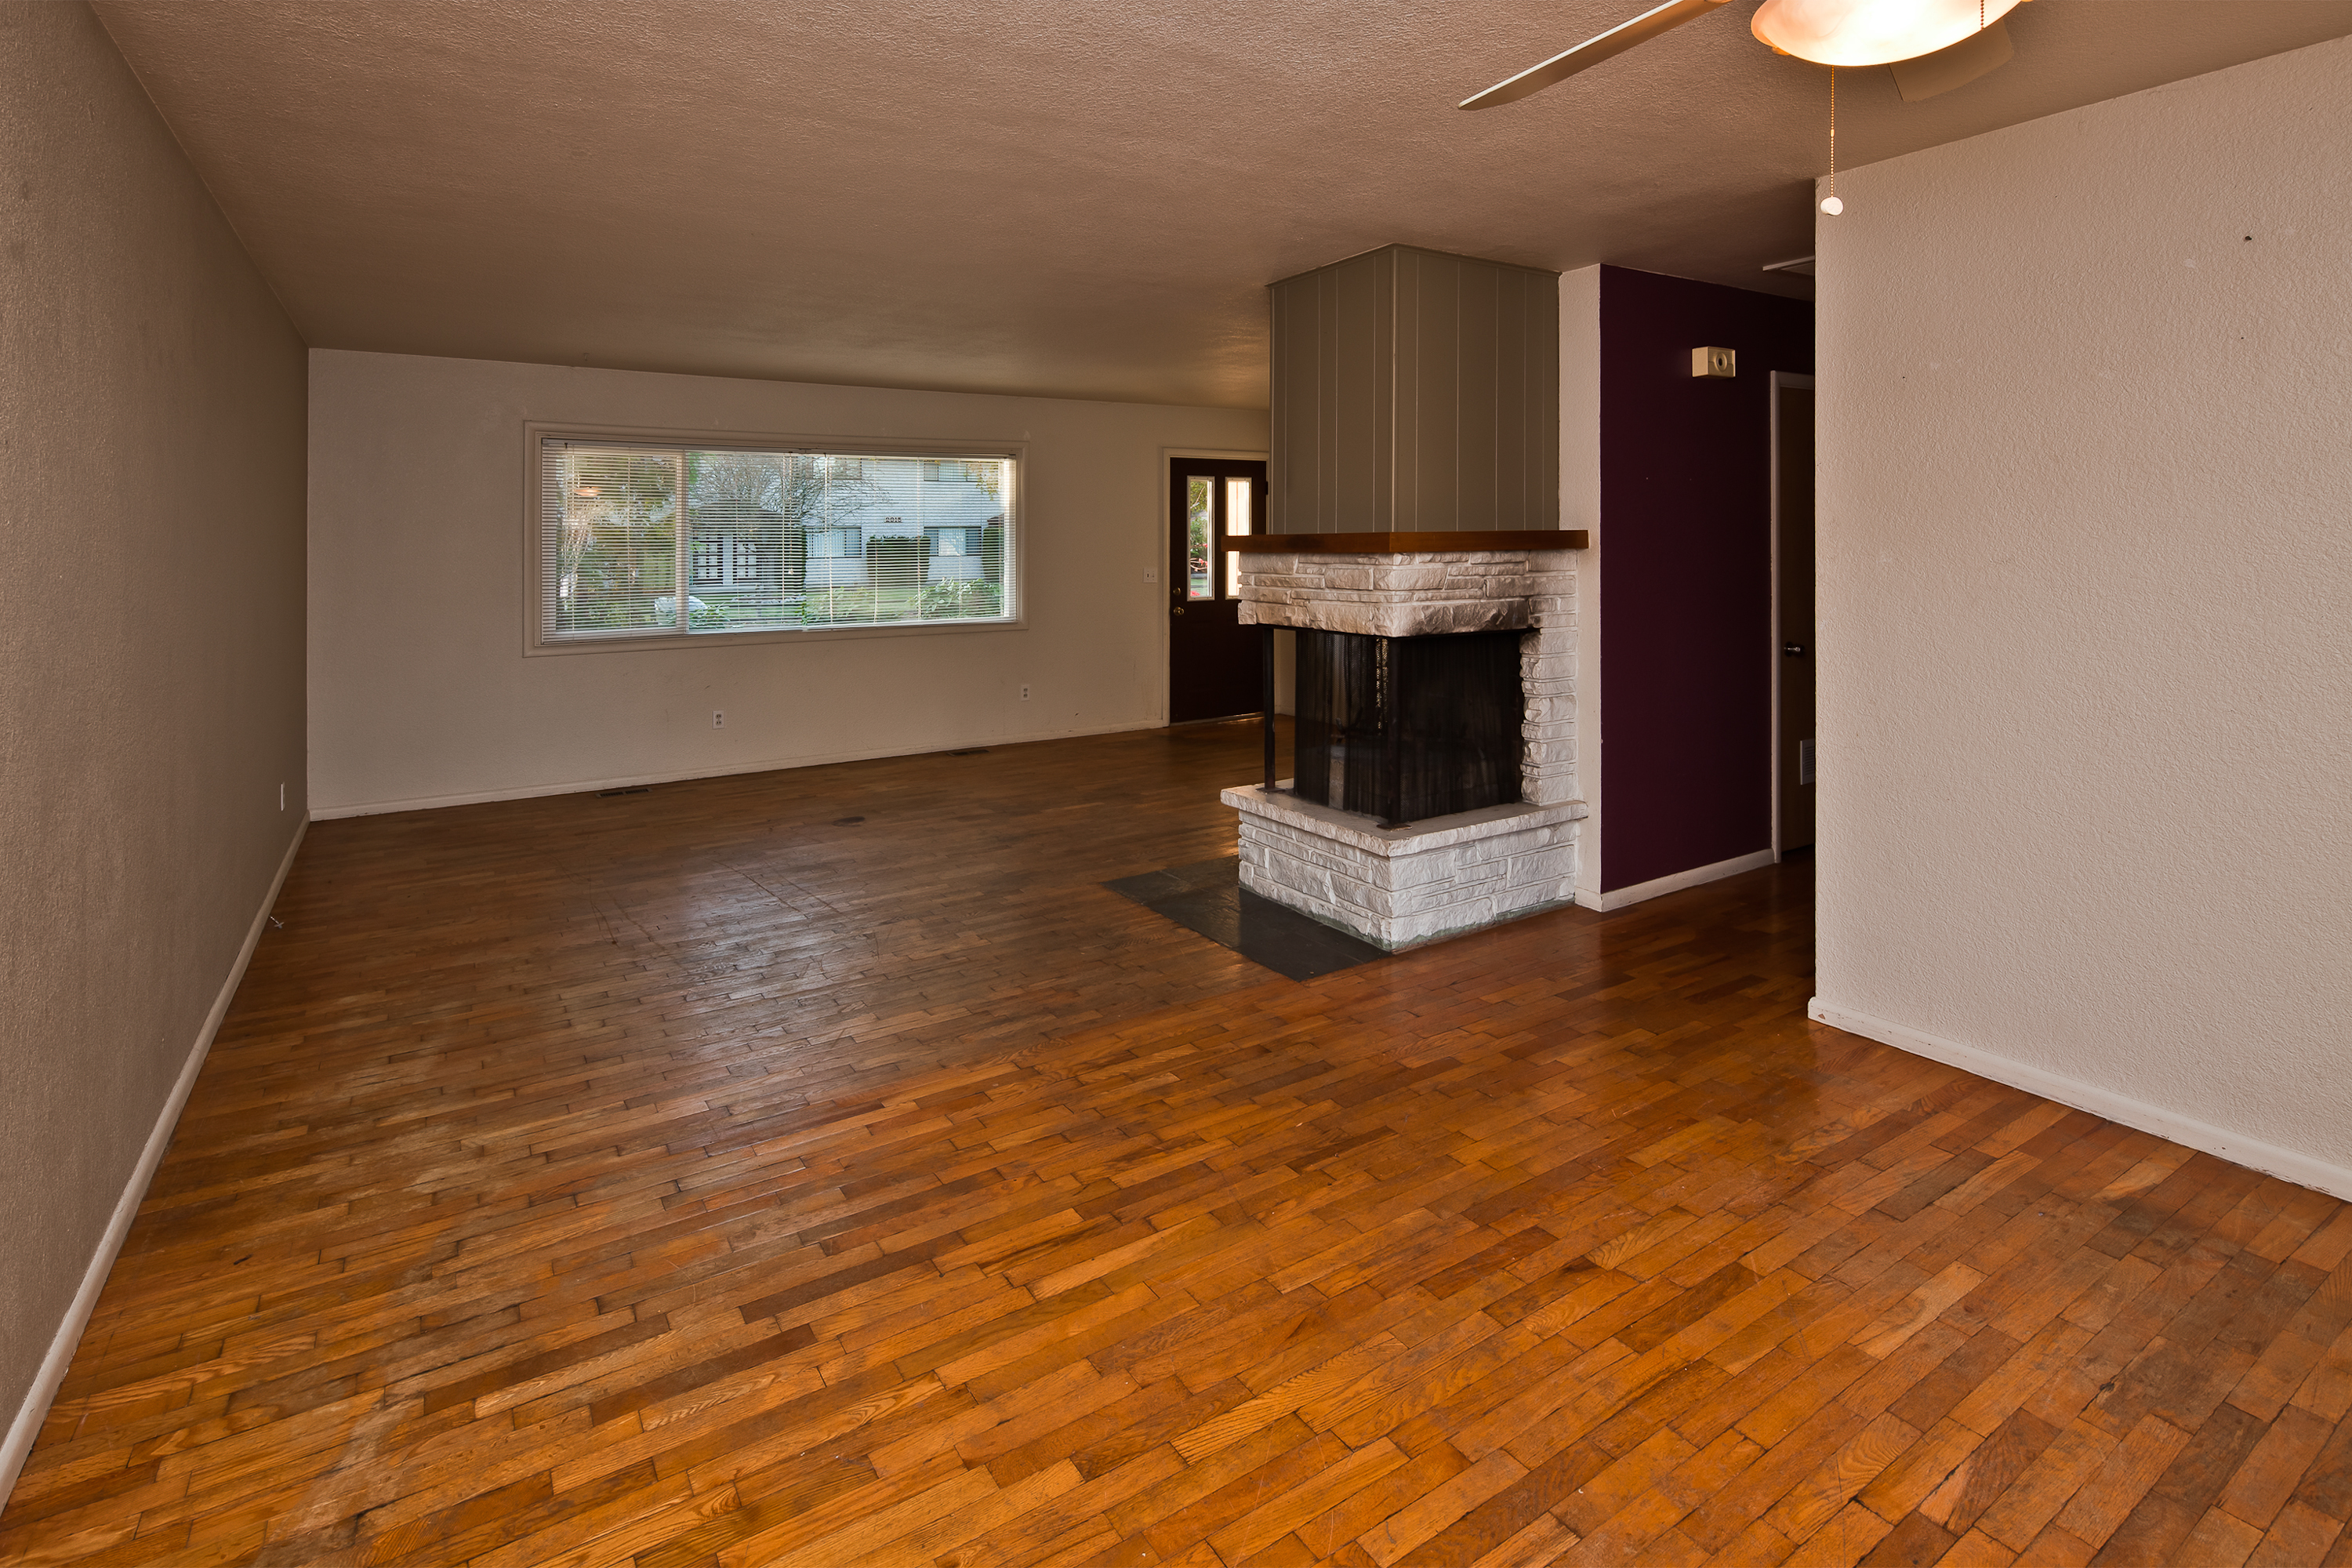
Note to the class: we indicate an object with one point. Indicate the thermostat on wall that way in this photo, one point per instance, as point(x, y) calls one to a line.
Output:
point(1714, 361)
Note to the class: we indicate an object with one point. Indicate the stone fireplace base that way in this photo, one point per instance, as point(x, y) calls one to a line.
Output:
point(1397, 888)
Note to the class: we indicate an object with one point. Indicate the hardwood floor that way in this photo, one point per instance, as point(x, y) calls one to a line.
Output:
point(699, 1178)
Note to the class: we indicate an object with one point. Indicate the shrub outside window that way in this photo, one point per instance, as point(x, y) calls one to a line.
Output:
point(765, 541)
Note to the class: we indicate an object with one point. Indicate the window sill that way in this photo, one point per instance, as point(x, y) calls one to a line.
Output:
point(769, 638)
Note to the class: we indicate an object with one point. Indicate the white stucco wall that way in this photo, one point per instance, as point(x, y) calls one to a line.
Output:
point(150, 657)
point(2086, 565)
point(421, 694)
point(1579, 506)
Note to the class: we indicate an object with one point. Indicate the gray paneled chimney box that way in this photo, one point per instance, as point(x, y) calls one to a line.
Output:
point(1416, 392)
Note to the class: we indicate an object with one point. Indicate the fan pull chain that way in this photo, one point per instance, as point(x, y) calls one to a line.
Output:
point(1830, 204)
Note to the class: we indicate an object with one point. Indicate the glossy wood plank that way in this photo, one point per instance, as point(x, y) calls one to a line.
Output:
point(820, 1168)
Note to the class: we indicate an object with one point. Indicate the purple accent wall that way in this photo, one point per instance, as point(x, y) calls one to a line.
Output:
point(1685, 587)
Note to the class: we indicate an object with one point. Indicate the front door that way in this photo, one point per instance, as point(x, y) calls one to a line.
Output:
point(1213, 659)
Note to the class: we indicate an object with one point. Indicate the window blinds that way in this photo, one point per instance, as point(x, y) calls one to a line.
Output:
point(647, 539)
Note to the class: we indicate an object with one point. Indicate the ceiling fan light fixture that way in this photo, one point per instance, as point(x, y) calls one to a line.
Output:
point(1870, 32)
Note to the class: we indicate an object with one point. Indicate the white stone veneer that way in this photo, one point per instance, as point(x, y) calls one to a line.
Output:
point(1397, 888)
point(1405, 595)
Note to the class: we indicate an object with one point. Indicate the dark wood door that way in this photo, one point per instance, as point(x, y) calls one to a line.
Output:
point(1213, 659)
point(1793, 591)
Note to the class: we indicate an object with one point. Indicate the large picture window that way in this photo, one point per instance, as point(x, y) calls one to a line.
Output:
point(777, 541)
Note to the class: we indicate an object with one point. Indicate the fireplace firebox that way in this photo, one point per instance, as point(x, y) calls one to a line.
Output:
point(1406, 729)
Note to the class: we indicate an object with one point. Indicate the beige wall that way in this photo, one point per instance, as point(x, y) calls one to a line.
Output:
point(420, 691)
point(2086, 556)
point(152, 408)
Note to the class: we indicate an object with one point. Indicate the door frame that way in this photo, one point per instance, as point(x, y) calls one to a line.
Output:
point(1164, 546)
point(1787, 379)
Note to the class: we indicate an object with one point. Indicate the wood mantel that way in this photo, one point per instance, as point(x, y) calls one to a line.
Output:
point(1409, 544)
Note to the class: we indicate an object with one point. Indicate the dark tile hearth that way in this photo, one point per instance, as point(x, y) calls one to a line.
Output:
point(1207, 897)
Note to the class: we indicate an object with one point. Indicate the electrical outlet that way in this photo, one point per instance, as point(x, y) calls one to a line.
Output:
point(718, 720)
point(1151, 573)
point(1025, 694)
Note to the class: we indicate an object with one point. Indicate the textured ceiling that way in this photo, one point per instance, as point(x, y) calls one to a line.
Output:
point(1047, 196)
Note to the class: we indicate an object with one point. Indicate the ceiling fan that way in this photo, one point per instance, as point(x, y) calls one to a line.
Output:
point(1931, 46)
point(1934, 45)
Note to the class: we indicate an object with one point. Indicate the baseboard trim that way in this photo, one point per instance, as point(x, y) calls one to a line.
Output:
point(1658, 887)
point(18, 1444)
point(2287, 1164)
point(777, 764)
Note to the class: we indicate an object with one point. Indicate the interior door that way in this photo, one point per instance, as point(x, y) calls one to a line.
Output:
point(1792, 596)
point(1213, 659)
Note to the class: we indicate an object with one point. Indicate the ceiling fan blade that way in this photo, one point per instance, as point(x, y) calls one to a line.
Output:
point(1592, 52)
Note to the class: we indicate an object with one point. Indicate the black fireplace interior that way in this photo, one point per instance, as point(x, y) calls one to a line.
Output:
point(1405, 729)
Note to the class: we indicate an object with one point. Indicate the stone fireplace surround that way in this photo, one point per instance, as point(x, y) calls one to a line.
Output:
point(1399, 887)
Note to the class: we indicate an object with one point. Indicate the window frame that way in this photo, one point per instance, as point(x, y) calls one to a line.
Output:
point(536, 643)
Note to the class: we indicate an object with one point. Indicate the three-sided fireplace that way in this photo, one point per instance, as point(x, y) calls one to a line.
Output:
point(1436, 768)
point(1416, 551)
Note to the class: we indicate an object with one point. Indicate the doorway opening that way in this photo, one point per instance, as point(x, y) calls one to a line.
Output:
point(1792, 612)
point(1214, 661)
